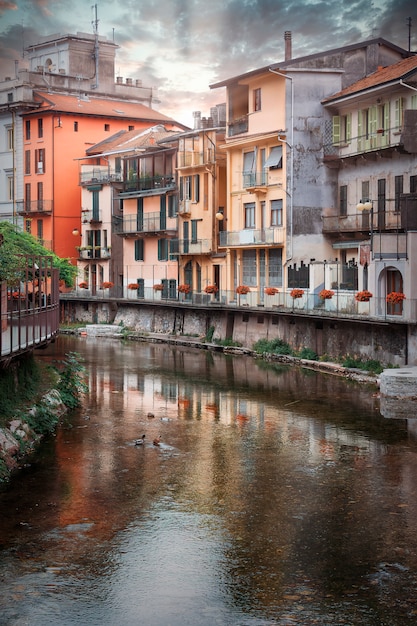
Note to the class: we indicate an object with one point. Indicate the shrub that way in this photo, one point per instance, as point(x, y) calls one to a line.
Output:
point(309, 354)
point(275, 346)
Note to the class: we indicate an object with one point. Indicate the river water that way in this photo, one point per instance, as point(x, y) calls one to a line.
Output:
point(278, 495)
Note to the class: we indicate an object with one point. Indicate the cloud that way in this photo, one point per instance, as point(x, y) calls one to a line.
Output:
point(7, 6)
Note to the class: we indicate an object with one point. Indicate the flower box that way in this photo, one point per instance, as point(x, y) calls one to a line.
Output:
point(158, 287)
point(83, 285)
point(326, 294)
point(184, 288)
point(242, 290)
point(363, 296)
point(133, 286)
point(271, 291)
point(107, 285)
point(395, 297)
point(211, 289)
point(297, 293)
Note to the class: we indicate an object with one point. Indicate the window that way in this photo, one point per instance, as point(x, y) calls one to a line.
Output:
point(194, 224)
point(172, 205)
point(399, 113)
point(249, 267)
point(10, 187)
point(118, 165)
point(40, 128)
point(27, 130)
point(28, 226)
point(10, 97)
point(257, 99)
point(40, 161)
point(106, 127)
point(185, 188)
point(162, 249)
point(249, 214)
point(27, 161)
point(249, 169)
point(274, 161)
point(96, 205)
point(343, 200)
point(413, 184)
point(39, 229)
point(414, 101)
point(130, 128)
point(342, 125)
point(75, 127)
point(365, 191)
point(276, 212)
point(196, 188)
point(139, 250)
point(40, 196)
point(275, 267)
point(10, 139)
point(27, 196)
point(399, 185)
point(141, 288)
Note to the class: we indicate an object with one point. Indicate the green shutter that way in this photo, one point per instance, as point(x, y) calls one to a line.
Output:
point(336, 130)
point(348, 127)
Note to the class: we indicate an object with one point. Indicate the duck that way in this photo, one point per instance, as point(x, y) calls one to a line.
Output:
point(157, 440)
point(141, 441)
point(166, 419)
point(150, 415)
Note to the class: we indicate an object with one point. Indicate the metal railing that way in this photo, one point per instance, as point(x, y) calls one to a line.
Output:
point(148, 223)
point(148, 183)
point(251, 236)
point(34, 206)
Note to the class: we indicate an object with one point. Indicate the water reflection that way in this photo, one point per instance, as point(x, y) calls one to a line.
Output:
point(278, 496)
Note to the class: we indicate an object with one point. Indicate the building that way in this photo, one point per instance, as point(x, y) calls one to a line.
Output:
point(66, 99)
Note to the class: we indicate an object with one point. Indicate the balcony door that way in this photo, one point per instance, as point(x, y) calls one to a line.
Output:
point(381, 203)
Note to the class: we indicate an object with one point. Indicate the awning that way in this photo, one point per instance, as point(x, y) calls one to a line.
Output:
point(275, 157)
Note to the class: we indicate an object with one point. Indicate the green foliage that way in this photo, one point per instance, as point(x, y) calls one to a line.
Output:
point(227, 343)
point(370, 365)
point(71, 382)
point(209, 335)
point(308, 353)
point(42, 419)
point(16, 243)
point(274, 346)
point(19, 384)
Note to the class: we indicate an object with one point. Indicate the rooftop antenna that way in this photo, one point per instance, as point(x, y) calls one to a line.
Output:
point(95, 31)
point(409, 21)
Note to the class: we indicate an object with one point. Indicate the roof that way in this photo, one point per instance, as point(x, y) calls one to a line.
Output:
point(127, 140)
point(286, 65)
point(383, 76)
point(99, 107)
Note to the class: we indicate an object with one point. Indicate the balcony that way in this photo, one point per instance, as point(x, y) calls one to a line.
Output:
point(148, 224)
point(192, 158)
point(184, 208)
point(32, 207)
point(98, 176)
point(363, 223)
point(252, 237)
point(380, 140)
point(238, 126)
point(94, 252)
point(254, 180)
point(148, 185)
point(198, 246)
point(91, 216)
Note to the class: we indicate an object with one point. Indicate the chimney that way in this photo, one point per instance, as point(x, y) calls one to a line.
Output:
point(288, 51)
point(197, 119)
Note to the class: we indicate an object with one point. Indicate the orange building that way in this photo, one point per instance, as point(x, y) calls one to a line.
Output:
point(56, 131)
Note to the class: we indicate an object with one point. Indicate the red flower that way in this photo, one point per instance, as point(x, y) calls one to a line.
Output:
point(297, 293)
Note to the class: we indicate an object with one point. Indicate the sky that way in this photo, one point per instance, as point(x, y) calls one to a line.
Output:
point(181, 47)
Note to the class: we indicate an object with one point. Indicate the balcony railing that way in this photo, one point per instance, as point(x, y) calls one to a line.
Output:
point(199, 246)
point(251, 237)
point(149, 223)
point(254, 179)
point(99, 175)
point(148, 183)
point(91, 216)
point(95, 253)
point(238, 126)
point(25, 207)
point(193, 158)
point(364, 221)
point(383, 138)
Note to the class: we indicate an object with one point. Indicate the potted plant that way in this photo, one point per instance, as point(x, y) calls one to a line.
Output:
point(242, 290)
point(184, 288)
point(326, 294)
point(363, 296)
point(395, 297)
point(83, 285)
point(158, 287)
point(211, 289)
point(107, 285)
point(271, 291)
point(297, 293)
point(133, 286)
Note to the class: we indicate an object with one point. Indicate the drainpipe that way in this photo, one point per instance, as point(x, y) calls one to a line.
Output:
point(290, 146)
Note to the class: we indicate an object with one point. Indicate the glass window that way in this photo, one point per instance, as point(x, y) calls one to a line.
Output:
point(139, 250)
point(343, 200)
point(275, 267)
point(274, 161)
point(257, 102)
point(249, 267)
point(40, 128)
point(249, 214)
point(27, 130)
point(162, 250)
point(276, 212)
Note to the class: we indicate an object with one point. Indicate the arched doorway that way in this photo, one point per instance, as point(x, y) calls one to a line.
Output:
point(392, 282)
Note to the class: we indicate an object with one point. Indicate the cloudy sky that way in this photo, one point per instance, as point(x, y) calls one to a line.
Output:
point(180, 47)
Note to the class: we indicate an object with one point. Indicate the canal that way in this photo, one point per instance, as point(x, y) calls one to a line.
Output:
point(278, 495)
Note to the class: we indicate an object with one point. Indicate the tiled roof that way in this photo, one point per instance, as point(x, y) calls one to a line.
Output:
point(129, 140)
point(379, 78)
point(91, 106)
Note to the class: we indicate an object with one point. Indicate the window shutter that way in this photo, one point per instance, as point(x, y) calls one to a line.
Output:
point(336, 130)
point(197, 188)
point(348, 127)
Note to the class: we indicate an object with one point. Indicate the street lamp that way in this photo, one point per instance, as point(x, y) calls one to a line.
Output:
point(364, 205)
